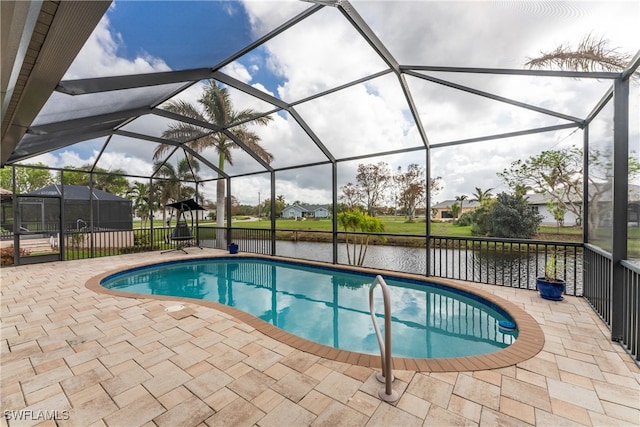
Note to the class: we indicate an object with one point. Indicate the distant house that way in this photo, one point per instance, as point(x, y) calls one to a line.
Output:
point(442, 210)
point(306, 211)
point(539, 203)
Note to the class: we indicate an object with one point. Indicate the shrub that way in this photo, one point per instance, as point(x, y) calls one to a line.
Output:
point(141, 243)
point(481, 218)
point(513, 217)
point(6, 255)
point(142, 239)
point(465, 219)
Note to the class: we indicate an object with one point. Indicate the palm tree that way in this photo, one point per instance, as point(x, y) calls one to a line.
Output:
point(215, 107)
point(139, 196)
point(455, 210)
point(362, 225)
point(481, 195)
point(461, 199)
point(171, 187)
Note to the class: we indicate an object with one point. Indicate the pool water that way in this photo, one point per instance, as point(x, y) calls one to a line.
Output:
point(331, 306)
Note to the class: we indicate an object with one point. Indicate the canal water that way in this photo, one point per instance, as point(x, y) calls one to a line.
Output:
point(511, 269)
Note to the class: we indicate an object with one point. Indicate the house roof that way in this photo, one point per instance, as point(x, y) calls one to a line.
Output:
point(77, 192)
point(448, 203)
point(308, 208)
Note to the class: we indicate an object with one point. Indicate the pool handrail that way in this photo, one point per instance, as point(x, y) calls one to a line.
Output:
point(386, 375)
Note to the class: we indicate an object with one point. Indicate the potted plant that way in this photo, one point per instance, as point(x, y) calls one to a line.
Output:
point(233, 248)
point(551, 286)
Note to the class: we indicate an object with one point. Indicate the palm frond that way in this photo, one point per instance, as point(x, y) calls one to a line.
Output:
point(250, 115)
point(217, 104)
point(252, 141)
point(591, 54)
point(183, 132)
point(186, 109)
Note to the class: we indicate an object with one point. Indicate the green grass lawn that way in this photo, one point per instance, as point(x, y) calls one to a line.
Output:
point(398, 225)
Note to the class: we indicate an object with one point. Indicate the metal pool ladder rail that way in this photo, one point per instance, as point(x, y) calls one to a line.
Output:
point(387, 393)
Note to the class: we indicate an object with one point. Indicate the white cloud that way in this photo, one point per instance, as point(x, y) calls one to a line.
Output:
point(99, 57)
point(238, 71)
point(325, 51)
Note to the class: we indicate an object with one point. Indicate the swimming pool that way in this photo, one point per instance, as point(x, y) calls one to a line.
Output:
point(329, 306)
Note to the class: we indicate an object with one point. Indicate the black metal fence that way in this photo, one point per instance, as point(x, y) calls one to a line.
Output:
point(598, 292)
point(597, 277)
point(253, 240)
point(505, 262)
point(100, 243)
point(631, 309)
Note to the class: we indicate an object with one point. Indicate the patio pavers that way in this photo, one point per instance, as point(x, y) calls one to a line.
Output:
point(88, 358)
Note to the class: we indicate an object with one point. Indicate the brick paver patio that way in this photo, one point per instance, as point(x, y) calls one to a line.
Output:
point(71, 356)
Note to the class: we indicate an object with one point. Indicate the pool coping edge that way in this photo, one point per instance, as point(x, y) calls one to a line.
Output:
point(529, 343)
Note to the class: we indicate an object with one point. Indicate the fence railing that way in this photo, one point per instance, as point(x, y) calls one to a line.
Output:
point(598, 291)
point(505, 262)
point(597, 278)
point(100, 243)
point(631, 309)
point(253, 240)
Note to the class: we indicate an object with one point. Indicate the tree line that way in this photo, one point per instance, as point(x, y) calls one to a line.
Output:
point(376, 187)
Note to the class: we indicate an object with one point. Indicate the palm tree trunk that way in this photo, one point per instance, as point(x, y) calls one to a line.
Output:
point(346, 241)
point(221, 241)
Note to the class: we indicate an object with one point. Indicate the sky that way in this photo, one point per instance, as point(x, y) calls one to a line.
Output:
point(325, 51)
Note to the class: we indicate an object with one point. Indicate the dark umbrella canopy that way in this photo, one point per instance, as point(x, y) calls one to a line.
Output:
point(186, 205)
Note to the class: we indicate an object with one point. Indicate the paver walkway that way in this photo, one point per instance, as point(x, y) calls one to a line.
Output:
point(71, 356)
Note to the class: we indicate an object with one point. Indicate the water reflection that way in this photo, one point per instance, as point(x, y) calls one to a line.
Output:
point(509, 267)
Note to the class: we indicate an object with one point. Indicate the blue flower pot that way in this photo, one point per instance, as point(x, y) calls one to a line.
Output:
point(551, 290)
point(233, 248)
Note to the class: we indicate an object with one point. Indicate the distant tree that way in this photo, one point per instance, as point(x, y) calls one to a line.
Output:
point(465, 219)
point(481, 195)
point(244, 210)
point(435, 185)
point(555, 173)
point(27, 179)
point(350, 195)
point(461, 198)
point(235, 205)
point(512, 216)
point(455, 210)
point(139, 195)
point(355, 221)
point(373, 180)
point(280, 205)
point(112, 181)
point(411, 188)
point(171, 185)
point(558, 211)
point(342, 207)
point(559, 175)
